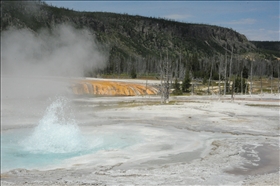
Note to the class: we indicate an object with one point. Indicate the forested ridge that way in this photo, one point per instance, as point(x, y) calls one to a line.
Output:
point(139, 45)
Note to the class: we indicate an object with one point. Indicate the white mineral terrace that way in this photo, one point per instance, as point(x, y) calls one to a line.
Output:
point(135, 140)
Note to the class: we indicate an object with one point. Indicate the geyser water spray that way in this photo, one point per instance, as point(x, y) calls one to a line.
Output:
point(56, 132)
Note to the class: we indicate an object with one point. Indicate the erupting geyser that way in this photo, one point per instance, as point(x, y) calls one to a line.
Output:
point(56, 133)
point(57, 137)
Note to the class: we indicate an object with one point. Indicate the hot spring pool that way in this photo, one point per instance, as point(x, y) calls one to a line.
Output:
point(18, 152)
point(56, 138)
point(57, 141)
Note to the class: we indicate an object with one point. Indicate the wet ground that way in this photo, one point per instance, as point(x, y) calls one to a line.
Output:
point(194, 140)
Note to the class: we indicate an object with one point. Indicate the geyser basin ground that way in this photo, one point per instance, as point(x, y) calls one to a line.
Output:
point(195, 140)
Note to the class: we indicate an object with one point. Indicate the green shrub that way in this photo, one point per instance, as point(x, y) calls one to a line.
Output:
point(177, 88)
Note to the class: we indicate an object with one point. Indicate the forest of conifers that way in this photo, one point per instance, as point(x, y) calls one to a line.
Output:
point(138, 45)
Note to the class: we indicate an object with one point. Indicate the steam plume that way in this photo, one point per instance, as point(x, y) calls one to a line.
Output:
point(61, 51)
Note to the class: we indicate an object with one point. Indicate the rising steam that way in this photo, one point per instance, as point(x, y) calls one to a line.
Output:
point(61, 51)
point(30, 60)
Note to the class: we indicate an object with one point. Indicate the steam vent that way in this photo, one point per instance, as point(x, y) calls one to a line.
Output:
point(111, 88)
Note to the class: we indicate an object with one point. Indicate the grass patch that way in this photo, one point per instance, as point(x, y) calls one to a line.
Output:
point(137, 104)
point(262, 105)
point(149, 103)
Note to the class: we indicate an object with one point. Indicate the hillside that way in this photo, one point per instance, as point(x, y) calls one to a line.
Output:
point(141, 35)
point(136, 39)
point(268, 47)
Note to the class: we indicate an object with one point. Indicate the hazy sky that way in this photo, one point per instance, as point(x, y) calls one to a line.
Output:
point(257, 20)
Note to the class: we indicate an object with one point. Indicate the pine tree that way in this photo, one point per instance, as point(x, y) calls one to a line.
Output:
point(245, 72)
point(177, 90)
point(133, 74)
point(187, 82)
point(238, 84)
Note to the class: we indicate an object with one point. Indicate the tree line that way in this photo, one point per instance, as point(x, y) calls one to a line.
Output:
point(230, 70)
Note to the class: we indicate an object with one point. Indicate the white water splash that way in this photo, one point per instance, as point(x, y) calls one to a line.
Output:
point(56, 133)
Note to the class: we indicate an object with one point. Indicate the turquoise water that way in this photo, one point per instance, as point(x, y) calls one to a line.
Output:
point(57, 137)
point(14, 153)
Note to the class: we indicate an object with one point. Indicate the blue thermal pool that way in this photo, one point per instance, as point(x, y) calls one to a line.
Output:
point(18, 151)
point(56, 138)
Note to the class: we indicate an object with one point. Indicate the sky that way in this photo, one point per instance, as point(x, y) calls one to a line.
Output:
point(257, 20)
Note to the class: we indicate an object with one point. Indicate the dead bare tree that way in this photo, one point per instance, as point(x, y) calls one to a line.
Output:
point(129, 66)
point(232, 89)
point(192, 82)
point(181, 69)
point(230, 63)
point(278, 77)
point(118, 65)
point(271, 77)
point(165, 74)
point(251, 78)
point(233, 83)
point(210, 77)
point(241, 75)
point(262, 67)
point(220, 70)
point(261, 85)
point(161, 78)
point(225, 75)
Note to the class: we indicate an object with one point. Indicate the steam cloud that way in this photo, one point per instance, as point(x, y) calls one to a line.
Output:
point(32, 62)
point(63, 51)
